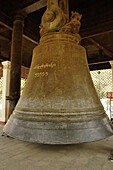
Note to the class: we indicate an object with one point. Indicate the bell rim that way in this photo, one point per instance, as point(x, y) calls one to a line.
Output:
point(58, 133)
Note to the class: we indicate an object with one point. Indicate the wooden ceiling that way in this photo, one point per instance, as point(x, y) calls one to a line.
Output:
point(96, 28)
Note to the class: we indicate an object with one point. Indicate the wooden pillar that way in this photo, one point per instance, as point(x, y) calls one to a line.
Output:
point(16, 58)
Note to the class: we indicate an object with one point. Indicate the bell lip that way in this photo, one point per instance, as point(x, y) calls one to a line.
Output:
point(58, 133)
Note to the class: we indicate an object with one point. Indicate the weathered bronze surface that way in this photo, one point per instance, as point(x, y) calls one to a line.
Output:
point(59, 104)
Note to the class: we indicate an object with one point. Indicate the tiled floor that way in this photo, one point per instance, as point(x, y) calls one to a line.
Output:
point(18, 155)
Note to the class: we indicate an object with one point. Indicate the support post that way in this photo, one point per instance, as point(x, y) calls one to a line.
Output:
point(5, 90)
point(16, 58)
point(111, 63)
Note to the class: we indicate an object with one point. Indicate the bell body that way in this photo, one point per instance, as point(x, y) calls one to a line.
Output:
point(59, 104)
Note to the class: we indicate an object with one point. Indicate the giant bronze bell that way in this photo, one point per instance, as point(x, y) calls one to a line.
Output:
point(59, 104)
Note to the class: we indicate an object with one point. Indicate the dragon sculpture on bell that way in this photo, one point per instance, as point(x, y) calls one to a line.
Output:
point(56, 18)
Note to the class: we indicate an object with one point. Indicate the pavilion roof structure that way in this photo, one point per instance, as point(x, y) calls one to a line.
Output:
point(96, 29)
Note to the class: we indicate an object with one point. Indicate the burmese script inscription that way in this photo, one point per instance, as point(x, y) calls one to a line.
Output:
point(42, 69)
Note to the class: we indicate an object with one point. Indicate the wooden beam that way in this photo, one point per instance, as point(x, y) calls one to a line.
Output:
point(90, 32)
point(97, 59)
point(96, 63)
point(7, 22)
point(100, 66)
point(6, 25)
point(109, 53)
point(4, 38)
point(2, 58)
point(35, 6)
point(3, 29)
point(97, 30)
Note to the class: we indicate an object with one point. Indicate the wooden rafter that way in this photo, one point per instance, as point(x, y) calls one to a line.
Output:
point(35, 6)
point(100, 29)
point(99, 66)
point(4, 38)
point(108, 52)
point(3, 29)
point(7, 23)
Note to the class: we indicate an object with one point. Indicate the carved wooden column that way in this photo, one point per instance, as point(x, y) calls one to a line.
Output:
point(16, 57)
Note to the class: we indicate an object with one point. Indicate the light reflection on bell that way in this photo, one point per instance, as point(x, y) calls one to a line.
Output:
point(59, 104)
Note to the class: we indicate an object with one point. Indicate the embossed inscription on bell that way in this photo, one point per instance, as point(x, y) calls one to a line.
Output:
point(59, 104)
